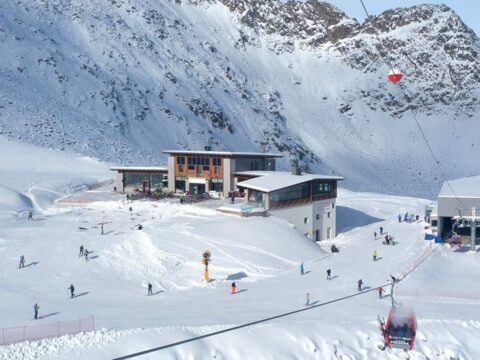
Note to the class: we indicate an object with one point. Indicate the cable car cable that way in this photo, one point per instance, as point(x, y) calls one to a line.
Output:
point(390, 65)
point(140, 353)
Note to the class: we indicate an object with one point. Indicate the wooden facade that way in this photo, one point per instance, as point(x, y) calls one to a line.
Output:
point(182, 167)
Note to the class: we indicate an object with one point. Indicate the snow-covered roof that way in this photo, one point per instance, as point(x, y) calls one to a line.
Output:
point(223, 153)
point(139, 168)
point(464, 187)
point(268, 181)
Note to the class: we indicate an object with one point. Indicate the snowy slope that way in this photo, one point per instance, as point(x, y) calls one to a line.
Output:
point(261, 255)
point(32, 178)
point(123, 80)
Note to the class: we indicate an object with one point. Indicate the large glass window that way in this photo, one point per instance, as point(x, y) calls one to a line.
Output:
point(180, 183)
point(321, 187)
point(300, 191)
point(137, 180)
point(216, 185)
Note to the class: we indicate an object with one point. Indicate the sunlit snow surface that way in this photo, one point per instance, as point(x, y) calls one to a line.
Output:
point(261, 255)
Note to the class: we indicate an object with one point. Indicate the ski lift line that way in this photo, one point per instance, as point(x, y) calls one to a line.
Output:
point(250, 323)
point(390, 65)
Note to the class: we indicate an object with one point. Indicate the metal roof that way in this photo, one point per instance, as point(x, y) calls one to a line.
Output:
point(139, 168)
point(468, 187)
point(222, 153)
point(268, 181)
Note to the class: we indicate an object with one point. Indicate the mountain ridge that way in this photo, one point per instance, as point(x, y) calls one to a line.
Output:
point(123, 80)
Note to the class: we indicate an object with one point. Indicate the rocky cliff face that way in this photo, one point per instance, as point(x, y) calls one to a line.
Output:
point(123, 79)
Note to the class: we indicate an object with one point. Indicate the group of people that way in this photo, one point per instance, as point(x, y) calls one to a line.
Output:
point(83, 252)
point(408, 217)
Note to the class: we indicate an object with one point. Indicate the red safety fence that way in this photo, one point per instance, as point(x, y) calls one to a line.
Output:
point(418, 260)
point(17, 334)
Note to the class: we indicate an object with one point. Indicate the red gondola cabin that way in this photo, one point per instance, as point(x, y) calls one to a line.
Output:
point(395, 76)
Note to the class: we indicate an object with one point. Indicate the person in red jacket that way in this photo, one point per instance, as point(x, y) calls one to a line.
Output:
point(234, 287)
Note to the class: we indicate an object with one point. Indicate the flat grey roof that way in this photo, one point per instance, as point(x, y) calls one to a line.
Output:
point(465, 187)
point(268, 181)
point(138, 168)
point(223, 153)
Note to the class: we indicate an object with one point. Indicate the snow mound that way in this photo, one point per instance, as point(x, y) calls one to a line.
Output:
point(13, 201)
point(139, 259)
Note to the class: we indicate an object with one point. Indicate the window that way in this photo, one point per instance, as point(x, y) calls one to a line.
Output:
point(180, 183)
point(329, 232)
point(191, 163)
point(300, 191)
point(137, 180)
point(206, 164)
point(217, 162)
point(317, 217)
point(329, 214)
point(321, 187)
point(181, 163)
point(333, 205)
point(216, 185)
point(305, 220)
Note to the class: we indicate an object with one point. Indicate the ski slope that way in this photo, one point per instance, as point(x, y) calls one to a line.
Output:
point(262, 255)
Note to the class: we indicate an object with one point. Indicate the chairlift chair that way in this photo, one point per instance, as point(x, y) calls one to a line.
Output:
point(455, 240)
point(399, 330)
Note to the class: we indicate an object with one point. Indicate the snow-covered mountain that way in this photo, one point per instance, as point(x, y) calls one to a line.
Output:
point(123, 79)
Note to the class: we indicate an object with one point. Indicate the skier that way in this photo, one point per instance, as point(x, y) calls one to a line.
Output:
point(150, 287)
point(102, 227)
point(381, 230)
point(380, 292)
point(85, 252)
point(30, 215)
point(374, 235)
point(387, 240)
point(140, 227)
point(81, 251)
point(406, 217)
point(302, 272)
point(394, 279)
point(72, 291)
point(234, 288)
point(417, 217)
point(307, 303)
point(130, 209)
point(329, 272)
point(399, 218)
point(360, 283)
point(35, 309)
point(374, 255)
point(22, 262)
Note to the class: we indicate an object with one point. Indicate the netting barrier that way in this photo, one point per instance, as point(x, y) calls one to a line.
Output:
point(17, 334)
point(418, 260)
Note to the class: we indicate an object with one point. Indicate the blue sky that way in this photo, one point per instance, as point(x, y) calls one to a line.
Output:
point(468, 10)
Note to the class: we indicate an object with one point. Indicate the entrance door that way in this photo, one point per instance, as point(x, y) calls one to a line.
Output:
point(197, 189)
point(146, 186)
point(317, 235)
